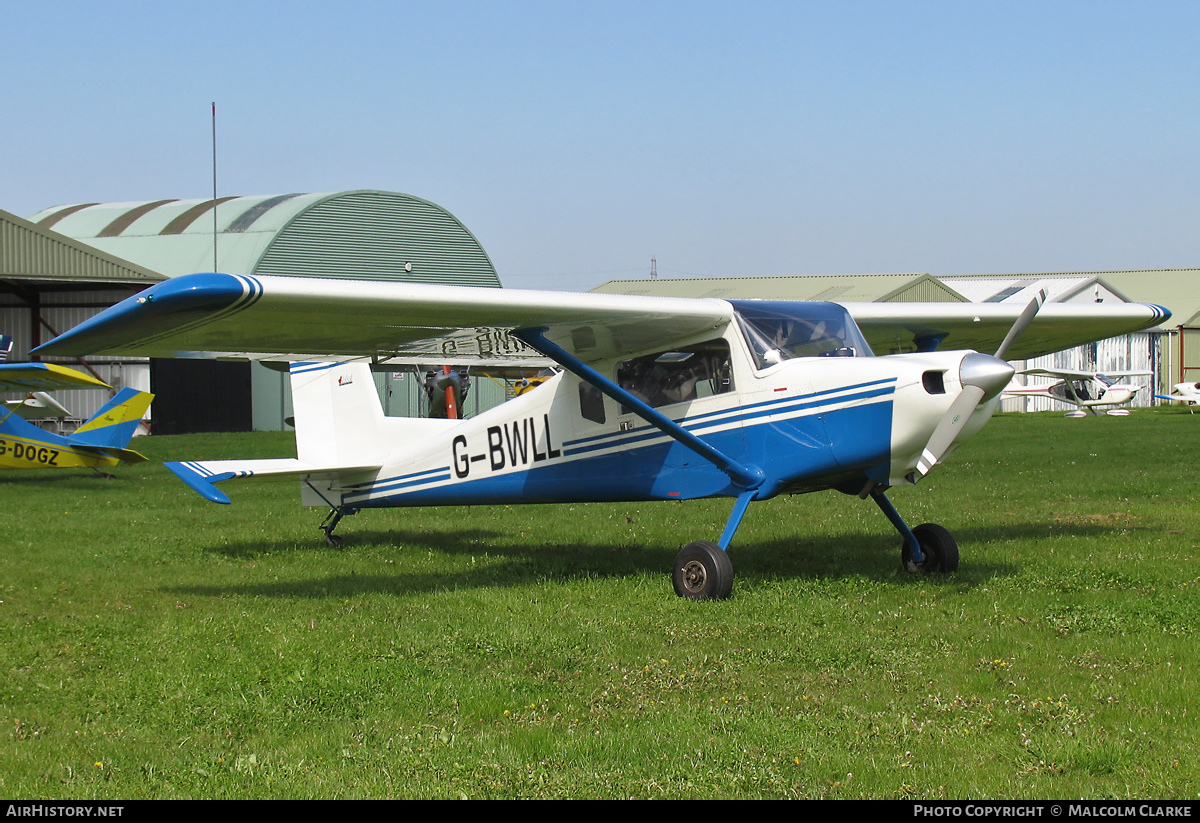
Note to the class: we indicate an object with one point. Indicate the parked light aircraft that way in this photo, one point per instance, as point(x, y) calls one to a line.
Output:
point(1186, 393)
point(1088, 391)
point(38, 406)
point(99, 442)
point(658, 398)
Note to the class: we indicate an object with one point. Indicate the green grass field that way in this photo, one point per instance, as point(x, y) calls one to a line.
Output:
point(155, 645)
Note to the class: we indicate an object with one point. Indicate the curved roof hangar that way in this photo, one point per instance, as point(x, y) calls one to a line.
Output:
point(362, 234)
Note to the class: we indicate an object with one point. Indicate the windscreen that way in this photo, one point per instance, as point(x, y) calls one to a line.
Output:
point(778, 330)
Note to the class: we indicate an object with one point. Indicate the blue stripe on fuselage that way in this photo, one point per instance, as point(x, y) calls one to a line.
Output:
point(793, 451)
point(737, 416)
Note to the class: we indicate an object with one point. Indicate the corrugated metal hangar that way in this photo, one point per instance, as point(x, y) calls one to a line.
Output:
point(375, 235)
point(50, 283)
point(847, 288)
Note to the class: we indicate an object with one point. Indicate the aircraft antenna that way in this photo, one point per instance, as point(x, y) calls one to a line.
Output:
point(653, 268)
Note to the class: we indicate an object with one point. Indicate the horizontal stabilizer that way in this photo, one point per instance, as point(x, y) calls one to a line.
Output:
point(128, 456)
point(202, 476)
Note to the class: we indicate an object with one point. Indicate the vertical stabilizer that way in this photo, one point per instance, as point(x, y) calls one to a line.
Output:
point(114, 425)
point(338, 416)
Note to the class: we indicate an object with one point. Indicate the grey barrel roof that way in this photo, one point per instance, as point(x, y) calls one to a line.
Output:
point(362, 234)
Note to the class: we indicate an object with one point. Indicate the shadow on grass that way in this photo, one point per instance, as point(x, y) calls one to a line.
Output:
point(467, 541)
point(877, 556)
point(57, 478)
point(872, 556)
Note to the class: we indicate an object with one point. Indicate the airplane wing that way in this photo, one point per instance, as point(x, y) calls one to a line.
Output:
point(300, 318)
point(38, 406)
point(895, 327)
point(1191, 400)
point(29, 377)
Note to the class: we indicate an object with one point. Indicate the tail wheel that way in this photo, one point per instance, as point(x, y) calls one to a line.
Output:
point(937, 545)
point(703, 572)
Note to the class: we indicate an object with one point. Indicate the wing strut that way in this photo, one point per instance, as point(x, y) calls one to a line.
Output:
point(744, 477)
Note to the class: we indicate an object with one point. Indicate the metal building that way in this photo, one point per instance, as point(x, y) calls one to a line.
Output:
point(354, 234)
point(1172, 352)
point(50, 283)
point(362, 234)
point(847, 288)
point(1140, 351)
point(1179, 291)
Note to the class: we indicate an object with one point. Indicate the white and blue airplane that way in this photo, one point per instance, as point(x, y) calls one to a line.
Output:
point(654, 399)
point(1089, 391)
point(1186, 393)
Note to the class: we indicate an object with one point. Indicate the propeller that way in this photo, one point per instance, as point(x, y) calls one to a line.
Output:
point(983, 376)
point(1019, 327)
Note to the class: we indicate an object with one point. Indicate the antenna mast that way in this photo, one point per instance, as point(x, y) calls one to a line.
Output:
point(214, 206)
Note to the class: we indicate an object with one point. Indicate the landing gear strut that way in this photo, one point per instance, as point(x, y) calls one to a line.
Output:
point(927, 548)
point(702, 569)
point(331, 520)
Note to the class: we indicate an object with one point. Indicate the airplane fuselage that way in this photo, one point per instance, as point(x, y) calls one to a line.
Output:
point(18, 453)
point(806, 424)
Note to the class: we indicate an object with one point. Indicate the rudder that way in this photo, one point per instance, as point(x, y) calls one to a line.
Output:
point(116, 422)
point(338, 416)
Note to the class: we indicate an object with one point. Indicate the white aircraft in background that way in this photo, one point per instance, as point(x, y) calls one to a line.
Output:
point(1089, 391)
point(1186, 393)
point(659, 398)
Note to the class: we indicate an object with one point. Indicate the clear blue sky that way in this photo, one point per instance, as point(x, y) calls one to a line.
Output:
point(578, 139)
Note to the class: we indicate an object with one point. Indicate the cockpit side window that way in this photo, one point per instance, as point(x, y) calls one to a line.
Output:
point(778, 331)
point(680, 375)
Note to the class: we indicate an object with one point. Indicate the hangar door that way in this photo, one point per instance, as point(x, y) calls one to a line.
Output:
point(200, 396)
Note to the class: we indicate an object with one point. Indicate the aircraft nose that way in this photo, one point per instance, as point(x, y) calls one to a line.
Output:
point(986, 372)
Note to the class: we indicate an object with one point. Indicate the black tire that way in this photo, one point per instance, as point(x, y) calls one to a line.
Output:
point(702, 572)
point(937, 545)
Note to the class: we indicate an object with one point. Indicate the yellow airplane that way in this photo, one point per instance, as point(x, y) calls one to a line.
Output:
point(99, 442)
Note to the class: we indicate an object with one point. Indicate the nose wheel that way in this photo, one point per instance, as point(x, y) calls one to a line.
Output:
point(702, 572)
point(938, 547)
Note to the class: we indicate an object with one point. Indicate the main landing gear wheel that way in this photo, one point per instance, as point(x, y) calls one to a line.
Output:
point(703, 572)
point(937, 545)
